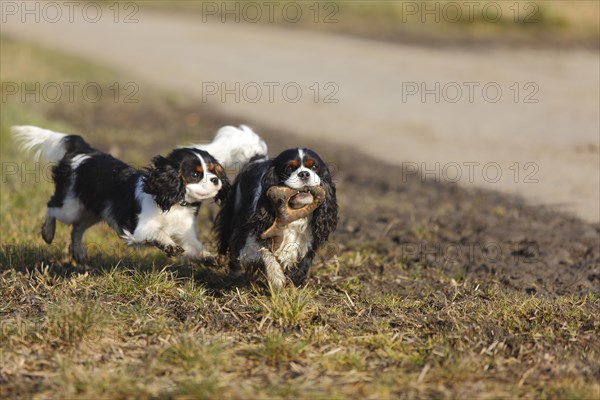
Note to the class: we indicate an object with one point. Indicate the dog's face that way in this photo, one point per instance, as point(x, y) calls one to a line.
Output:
point(200, 176)
point(186, 174)
point(299, 168)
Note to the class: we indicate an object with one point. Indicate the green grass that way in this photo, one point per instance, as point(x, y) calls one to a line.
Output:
point(231, 345)
point(134, 324)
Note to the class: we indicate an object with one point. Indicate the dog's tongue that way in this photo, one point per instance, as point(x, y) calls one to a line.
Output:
point(301, 199)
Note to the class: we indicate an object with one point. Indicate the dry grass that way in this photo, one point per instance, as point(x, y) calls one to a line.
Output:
point(121, 333)
point(134, 324)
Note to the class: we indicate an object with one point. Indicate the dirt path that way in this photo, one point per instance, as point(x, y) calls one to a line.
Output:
point(547, 151)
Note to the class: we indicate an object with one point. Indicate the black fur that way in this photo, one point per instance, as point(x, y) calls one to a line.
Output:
point(164, 182)
point(225, 186)
point(298, 275)
point(106, 186)
point(103, 181)
point(254, 212)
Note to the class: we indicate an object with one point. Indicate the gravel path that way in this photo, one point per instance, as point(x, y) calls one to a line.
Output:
point(438, 109)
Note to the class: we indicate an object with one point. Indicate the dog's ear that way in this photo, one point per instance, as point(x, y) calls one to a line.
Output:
point(264, 214)
point(325, 217)
point(270, 179)
point(225, 185)
point(164, 182)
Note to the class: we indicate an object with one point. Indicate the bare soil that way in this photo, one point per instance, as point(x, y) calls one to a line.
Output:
point(396, 219)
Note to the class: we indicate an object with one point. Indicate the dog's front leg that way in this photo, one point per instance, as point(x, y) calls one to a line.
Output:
point(300, 272)
point(273, 269)
point(193, 248)
point(151, 234)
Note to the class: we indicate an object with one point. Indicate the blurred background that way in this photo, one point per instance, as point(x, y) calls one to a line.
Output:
point(492, 94)
point(463, 137)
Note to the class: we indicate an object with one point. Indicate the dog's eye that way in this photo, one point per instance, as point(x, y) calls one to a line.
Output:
point(314, 168)
point(289, 169)
point(195, 175)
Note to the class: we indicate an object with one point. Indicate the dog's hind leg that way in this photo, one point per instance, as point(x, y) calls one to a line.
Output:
point(49, 227)
point(79, 227)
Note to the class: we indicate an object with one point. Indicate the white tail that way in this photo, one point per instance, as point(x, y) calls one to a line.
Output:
point(44, 142)
point(234, 147)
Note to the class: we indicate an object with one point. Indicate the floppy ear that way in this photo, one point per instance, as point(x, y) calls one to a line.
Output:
point(225, 185)
point(224, 223)
point(269, 179)
point(325, 218)
point(164, 182)
point(264, 215)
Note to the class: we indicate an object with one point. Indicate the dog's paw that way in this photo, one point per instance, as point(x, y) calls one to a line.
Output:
point(206, 258)
point(79, 254)
point(48, 229)
point(236, 273)
point(173, 250)
point(222, 260)
point(277, 281)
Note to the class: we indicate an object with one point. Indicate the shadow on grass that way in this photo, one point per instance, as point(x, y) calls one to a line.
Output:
point(26, 258)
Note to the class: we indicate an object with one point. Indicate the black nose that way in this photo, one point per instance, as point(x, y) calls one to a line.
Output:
point(215, 181)
point(304, 175)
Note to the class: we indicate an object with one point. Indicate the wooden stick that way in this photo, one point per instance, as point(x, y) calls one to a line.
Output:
point(284, 214)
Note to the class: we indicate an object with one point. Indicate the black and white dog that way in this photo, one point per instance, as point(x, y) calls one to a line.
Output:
point(247, 213)
point(155, 206)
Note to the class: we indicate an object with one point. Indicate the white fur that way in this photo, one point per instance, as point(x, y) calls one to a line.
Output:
point(72, 208)
point(234, 147)
point(295, 182)
point(50, 145)
point(273, 269)
point(44, 142)
point(69, 213)
point(201, 190)
point(174, 227)
point(77, 161)
point(297, 240)
point(205, 189)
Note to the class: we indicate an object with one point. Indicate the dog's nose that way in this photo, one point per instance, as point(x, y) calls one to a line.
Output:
point(304, 175)
point(215, 181)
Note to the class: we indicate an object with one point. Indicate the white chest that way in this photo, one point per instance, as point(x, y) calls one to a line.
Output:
point(175, 220)
point(297, 240)
point(171, 222)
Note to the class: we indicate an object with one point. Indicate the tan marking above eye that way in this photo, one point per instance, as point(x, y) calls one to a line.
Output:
point(199, 168)
point(211, 167)
point(293, 164)
point(309, 163)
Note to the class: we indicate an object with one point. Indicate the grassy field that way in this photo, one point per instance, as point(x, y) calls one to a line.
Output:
point(373, 321)
point(444, 22)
